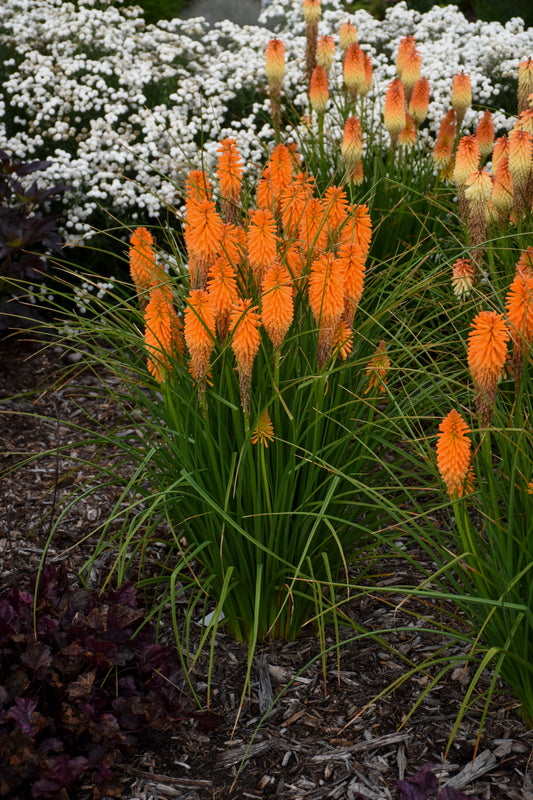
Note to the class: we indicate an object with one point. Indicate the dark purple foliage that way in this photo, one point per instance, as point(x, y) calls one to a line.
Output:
point(424, 785)
point(79, 692)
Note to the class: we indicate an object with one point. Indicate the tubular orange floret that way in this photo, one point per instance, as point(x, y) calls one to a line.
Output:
point(199, 331)
point(525, 83)
point(162, 336)
point(358, 228)
point(197, 186)
point(461, 96)
point(419, 101)
point(261, 241)
point(229, 170)
point(327, 280)
point(443, 152)
point(277, 302)
point(205, 227)
point(487, 352)
point(313, 229)
point(407, 137)
point(343, 339)
point(245, 341)
point(394, 109)
point(354, 260)
point(354, 69)
point(275, 62)
point(347, 36)
point(454, 454)
point(500, 151)
point(222, 289)
point(377, 369)
point(463, 277)
point(144, 271)
point(325, 52)
point(263, 433)
point(467, 159)
point(485, 134)
point(352, 143)
point(319, 89)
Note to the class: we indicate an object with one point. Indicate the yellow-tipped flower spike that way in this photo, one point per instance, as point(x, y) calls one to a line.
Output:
point(454, 454)
point(520, 166)
point(461, 96)
point(463, 278)
point(467, 160)
point(162, 336)
point(244, 325)
point(277, 307)
point(354, 69)
point(500, 150)
point(487, 353)
point(524, 121)
point(419, 102)
point(406, 47)
point(312, 9)
point(377, 369)
point(319, 89)
point(347, 36)
point(352, 143)
point(478, 190)
point(263, 433)
point(502, 189)
point(411, 72)
point(525, 83)
point(325, 52)
point(407, 137)
point(369, 70)
point(394, 110)
point(485, 134)
point(275, 62)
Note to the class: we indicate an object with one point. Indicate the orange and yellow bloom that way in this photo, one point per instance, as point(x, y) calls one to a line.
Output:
point(454, 454)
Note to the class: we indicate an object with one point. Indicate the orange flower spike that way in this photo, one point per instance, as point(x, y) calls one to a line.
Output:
point(197, 187)
point(245, 341)
point(352, 143)
point(354, 260)
point(205, 227)
point(199, 331)
point(336, 208)
point(500, 151)
point(525, 262)
point(312, 10)
point(419, 101)
point(466, 159)
point(162, 336)
point(369, 71)
point(405, 48)
point(454, 453)
point(261, 241)
point(407, 137)
point(485, 134)
point(347, 36)
point(275, 63)
point(327, 281)
point(277, 303)
point(443, 152)
point(411, 72)
point(377, 369)
point(357, 230)
point(463, 278)
point(525, 83)
point(222, 290)
point(313, 227)
point(229, 170)
point(281, 166)
point(325, 52)
point(319, 89)
point(354, 69)
point(394, 110)
point(502, 189)
point(519, 307)
point(343, 339)
point(263, 432)
point(487, 352)
point(520, 165)
point(461, 96)
point(143, 270)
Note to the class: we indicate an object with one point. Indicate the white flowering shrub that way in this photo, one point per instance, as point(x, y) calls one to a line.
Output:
point(124, 109)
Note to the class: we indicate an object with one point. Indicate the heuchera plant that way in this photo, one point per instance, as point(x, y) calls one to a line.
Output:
point(77, 686)
point(423, 785)
point(25, 232)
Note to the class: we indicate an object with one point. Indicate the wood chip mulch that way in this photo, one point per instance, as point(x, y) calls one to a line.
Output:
point(327, 736)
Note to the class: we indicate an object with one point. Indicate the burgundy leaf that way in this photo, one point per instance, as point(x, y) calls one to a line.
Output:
point(25, 716)
point(62, 772)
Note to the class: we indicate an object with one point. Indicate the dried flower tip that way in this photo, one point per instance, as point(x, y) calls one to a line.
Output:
point(312, 10)
point(263, 433)
point(325, 52)
point(463, 277)
point(419, 101)
point(318, 89)
point(377, 369)
point(454, 453)
point(485, 134)
point(347, 36)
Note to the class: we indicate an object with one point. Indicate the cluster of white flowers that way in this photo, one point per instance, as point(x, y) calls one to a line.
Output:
point(124, 110)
